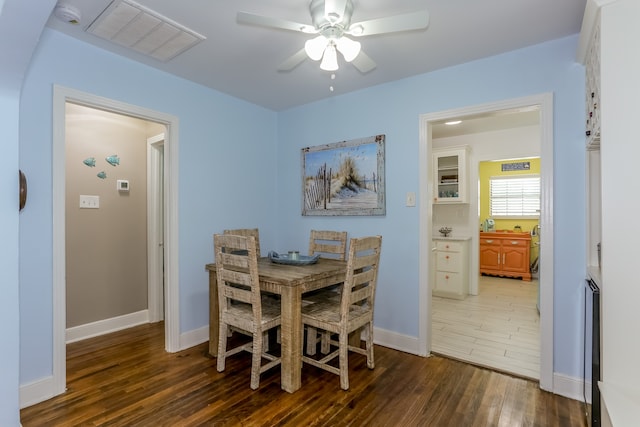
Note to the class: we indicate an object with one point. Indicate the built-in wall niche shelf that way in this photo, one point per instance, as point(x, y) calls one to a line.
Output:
point(450, 175)
point(593, 110)
point(592, 100)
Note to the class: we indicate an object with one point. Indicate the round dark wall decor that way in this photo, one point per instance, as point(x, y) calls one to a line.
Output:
point(23, 190)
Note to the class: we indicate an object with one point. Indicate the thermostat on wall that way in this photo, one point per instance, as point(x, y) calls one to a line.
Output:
point(123, 185)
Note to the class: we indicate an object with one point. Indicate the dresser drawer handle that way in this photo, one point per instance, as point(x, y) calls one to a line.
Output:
point(514, 242)
point(489, 241)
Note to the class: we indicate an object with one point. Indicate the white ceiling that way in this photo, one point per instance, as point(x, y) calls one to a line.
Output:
point(242, 60)
point(487, 122)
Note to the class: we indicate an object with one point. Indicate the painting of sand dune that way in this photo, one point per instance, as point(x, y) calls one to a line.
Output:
point(344, 178)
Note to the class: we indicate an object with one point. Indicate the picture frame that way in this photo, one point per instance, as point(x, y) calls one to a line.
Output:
point(344, 178)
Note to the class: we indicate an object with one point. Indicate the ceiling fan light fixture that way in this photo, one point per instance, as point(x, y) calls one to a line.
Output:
point(348, 48)
point(329, 59)
point(315, 47)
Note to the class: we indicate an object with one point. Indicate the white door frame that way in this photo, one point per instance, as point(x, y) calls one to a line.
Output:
point(545, 103)
point(62, 95)
point(155, 228)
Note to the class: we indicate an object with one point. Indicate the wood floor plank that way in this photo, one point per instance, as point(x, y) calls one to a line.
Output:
point(127, 379)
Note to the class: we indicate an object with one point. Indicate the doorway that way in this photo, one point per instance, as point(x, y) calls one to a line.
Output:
point(111, 261)
point(61, 97)
point(427, 122)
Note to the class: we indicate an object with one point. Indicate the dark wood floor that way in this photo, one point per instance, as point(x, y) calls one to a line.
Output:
point(127, 379)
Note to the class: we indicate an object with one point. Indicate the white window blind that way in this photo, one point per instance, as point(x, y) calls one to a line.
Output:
point(515, 196)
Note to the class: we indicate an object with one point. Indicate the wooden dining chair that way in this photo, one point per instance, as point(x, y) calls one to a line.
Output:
point(246, 232)
point(329, 244)
point(353, 311)
point(241, 304)
point(253, 232)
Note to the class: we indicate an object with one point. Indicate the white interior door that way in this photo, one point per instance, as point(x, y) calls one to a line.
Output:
point(155, 227)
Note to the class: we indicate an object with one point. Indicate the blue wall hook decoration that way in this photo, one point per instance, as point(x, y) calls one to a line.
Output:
point(102, 175)
point(90, 161)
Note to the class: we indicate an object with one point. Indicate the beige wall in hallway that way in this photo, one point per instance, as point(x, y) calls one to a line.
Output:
point(106, 248)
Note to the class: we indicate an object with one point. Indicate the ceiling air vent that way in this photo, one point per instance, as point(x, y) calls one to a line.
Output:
point(134, 26)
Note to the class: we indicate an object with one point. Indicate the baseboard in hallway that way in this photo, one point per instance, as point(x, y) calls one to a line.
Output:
point(106, 326)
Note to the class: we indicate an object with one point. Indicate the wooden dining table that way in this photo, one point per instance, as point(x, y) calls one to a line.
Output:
point(290, 282)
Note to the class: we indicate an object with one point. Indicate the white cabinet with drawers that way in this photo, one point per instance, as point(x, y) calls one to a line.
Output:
point(451, 267)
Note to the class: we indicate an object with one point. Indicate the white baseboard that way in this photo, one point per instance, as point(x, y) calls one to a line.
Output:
point(106, 326)
point(571, 387)
point(396, 341)
point(36, 392)
point(194, 337)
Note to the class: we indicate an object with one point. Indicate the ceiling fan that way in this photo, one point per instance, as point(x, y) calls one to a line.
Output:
point(332, 22)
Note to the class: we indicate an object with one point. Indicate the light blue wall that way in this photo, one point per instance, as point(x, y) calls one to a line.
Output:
point(227, 161)
point(393, 109)
point(9, 315)
point(23, 22)
point(219, 135)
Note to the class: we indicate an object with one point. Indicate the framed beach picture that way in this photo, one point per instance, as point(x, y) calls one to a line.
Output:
point(344, 178)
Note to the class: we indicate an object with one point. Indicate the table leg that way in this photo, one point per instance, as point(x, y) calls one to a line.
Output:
point(291, 334)
point(213, 314)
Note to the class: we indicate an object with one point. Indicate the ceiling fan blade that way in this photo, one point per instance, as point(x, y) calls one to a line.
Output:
point(293, 61)
point(363, 63)
point(266, 21)
point(334, 10)
point(406, 22)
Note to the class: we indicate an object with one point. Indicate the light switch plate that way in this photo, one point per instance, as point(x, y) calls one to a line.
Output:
point(411, 199)
point(89, 202)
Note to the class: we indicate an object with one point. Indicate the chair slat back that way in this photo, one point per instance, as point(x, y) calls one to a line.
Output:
point(362, 273)
point(246, 232)
point(237, 272)
point(329, 244)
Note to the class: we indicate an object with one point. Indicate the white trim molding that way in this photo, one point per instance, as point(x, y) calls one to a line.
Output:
point(194, 337)
point(545, 103)
point(571, 387)
point(396, 341)
point(106, 326)
point(62, 95)
point(37, 391)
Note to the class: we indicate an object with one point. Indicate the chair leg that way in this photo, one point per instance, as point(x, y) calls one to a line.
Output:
point(369, 345)
point(222, 346)
point(256, 360)
point(325, 342)
point(344, 360)
point(312, 340)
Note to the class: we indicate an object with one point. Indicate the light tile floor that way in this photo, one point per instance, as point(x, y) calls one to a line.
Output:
point(498, 329)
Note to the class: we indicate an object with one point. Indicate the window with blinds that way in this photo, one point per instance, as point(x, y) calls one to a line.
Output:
point(515, 196)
